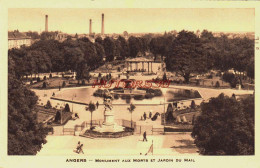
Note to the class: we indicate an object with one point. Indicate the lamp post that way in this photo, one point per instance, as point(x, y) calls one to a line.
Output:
point(164, 92)
point(74, 95)
point(72, 104)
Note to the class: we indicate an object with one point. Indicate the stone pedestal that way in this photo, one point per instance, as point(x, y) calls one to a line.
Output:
point(109, 124)
point(109, 118)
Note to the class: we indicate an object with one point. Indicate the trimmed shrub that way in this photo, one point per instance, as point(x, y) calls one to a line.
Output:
point(128, 100)
point(48, 105)
point(98, 93)
point(193, 105)
point(149, 96)
point(50, 76)
point(44, 85)
point(44, 78)
point(138, 97)
point(230, 78)
point(63, 84)
point(38, 79)
point(157, 92)
point(210, 76)
point(217, 84)
point(164, 77)
point(169, 114)
point(116, 96)
point(126, 97)
point(83, 82)
point(197, 82)
point(67, 108)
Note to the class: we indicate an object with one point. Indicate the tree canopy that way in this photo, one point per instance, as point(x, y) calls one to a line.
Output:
point(25, 135)
point(186, 55)
point(225, 127)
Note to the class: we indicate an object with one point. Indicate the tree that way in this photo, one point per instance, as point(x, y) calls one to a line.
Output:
point(131, 110)
point(251, 68)
point(122, 47)
point(230, 78)
point(91, 107)
point(25, 134)
point(243, 52)
point(210, 47)
point(164, 77)
point(100, 53)
point(169, 114)
point(33, 35)
point(186, 55)
point(224, 51)
point(48, 35)
point(225, 127)
point(157, 46)
point(73, 56)
point(99, 40)
point(134, 46)
point(110, 48)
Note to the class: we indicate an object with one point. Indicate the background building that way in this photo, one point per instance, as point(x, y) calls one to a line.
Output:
point(17, 39)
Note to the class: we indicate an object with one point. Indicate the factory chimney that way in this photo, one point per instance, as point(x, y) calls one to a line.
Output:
point(102, 28)
point(90, 26)
point(46, 23)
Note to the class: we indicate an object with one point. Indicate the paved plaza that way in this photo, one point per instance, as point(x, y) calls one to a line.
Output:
point(169, 144)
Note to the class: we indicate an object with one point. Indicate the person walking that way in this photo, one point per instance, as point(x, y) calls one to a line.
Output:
point(80, 149)
point(97, 104)
point(144, 136)
point(144, 116)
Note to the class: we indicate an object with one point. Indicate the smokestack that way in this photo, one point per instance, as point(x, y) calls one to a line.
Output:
point(46, 23)
point(90, 26)
point(102, 29)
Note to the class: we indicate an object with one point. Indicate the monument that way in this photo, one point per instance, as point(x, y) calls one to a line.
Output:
point(109, 124)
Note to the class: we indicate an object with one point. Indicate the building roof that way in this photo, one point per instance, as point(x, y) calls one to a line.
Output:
point(139, 59)
point(17, 35)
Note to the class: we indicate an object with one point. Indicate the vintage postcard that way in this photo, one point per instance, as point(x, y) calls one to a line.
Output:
point(127, 83)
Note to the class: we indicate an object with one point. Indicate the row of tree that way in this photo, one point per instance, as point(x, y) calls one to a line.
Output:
point(190, 55)
point(185, 53)
point(80, 55)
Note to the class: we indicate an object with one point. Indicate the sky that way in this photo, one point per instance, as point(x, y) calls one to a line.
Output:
point(132, 20)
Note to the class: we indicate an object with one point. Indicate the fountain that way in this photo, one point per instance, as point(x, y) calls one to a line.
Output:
point(109, 124)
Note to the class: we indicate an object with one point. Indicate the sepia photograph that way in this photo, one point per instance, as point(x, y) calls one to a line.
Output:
point(131, 82)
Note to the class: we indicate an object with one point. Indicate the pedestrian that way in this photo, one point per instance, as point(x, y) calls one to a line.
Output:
point(141, 118)
point(97, 104)
point(144, 116)
point(150, 114)
point(53, 94)
point(80, 149)
point(144, 136)
point(76, 115)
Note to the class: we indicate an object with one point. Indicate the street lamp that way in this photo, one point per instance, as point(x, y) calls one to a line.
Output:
point(164, 92)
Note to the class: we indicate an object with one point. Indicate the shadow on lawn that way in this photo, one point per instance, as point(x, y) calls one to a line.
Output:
point(187, 146)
